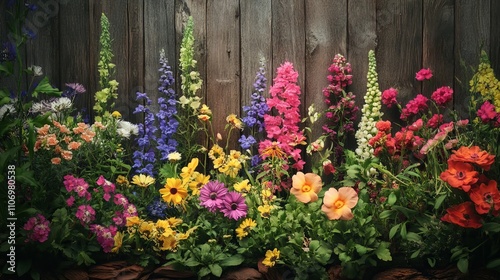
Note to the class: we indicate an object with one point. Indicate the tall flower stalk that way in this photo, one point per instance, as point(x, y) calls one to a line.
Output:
point(371, 113)
point(109, 87)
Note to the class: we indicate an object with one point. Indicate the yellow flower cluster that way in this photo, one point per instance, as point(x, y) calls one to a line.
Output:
point(163, 233)
point(176, 189)
point(230, 164)
point(485, 82)
point(245, 227)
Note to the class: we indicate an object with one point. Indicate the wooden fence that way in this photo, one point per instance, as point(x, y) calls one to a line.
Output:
point(233, 35)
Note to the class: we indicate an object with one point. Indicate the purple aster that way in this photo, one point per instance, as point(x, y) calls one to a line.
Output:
point(234, 206)
point(212, 195)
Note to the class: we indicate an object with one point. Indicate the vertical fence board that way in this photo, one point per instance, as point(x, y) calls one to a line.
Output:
point(256, 44)
point(289, 38)
point(223, 61)
point(74, 46)
point(399, 54)
point(43, 50)
point(472, 23)
point(326, 36)
point(495, 37)
point(160, 17)
point(438, 42)
point(135, 73)
point(361, 27)
point(198, 10)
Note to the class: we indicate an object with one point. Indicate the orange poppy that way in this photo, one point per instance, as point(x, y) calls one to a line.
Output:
point(463, 215)
point(475, 155)
point(338, 204)
point(460, 175)
point(486, 197)
point(306, 187)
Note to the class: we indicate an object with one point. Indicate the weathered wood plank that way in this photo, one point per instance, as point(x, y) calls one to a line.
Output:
point(399, 50)
point(223, 62)
point(438, 42)
point(495, 37)
point(256, 44)
point(74, 45)
point(472, 31)
point(43, 50)
point(361, 27)
point(326, 36)
point(159, 33)
point(198, 10)
point(289, 38)
point(136, 53)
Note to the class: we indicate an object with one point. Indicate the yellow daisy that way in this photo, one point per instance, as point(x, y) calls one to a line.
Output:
point(142, 180)
point(216, 152)
point(188, 170)
point(271, 257)
point(198, 182)
point(243, 186)
point(173, 191)
point(245, 227)
point(118, 242)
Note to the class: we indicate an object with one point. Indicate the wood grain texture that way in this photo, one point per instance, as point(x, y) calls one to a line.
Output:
point(74, 45)
point(326, 36)
point(136, 53)
point(223, 62)
point(438, 42)
point(495, 37)
point(361, 27)
point(256, 44)
point(289, 38)
point(472, 23)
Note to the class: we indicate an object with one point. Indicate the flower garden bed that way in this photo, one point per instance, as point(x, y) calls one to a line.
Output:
point(170, 198)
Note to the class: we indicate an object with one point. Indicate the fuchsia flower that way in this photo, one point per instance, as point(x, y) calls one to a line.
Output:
point(120, 199)
point(233, 206)
point(423, 74)
point(78, 185)
point(442, 95)
point(86, 214)
point(414, 106)
point(105, 236)
point(38, 228)
point(417, 125)
point(107, 186)
point(70, 201)
point(487, 112)
point(435, 120)
point(389, 97)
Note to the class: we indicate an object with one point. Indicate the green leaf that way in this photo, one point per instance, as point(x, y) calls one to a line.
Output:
point(463, 265)
point(403, 231)
point(415, 254)
point(215, 269)
point(383, 252)
point(362, 249)
point(493, 264)
point(412, 236)
point(491, 227)
point(386, 214)
point(45, 87)
point(204, 271)
point(392, 199)
point(439, 201)
point(233, 260)
point(191, 262)
point(393, 231)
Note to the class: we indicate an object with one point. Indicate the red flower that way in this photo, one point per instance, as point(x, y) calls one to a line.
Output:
point(384, 126)
point(442, 95)
point(460, 175)
point(435, 120)
point(486, 197)
point(475, 155)
point(463, 215)
point(389, 97)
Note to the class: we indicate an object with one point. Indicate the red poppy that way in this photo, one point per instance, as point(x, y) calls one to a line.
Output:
point(486, 197)
point(460, 175)
point(475, 155)
point(463, 215)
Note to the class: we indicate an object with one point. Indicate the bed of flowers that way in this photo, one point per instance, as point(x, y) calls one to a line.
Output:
point(416, 192)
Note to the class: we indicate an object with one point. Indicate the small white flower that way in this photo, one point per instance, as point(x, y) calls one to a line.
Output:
point(61, 104)
point(37, 70)
point(7, 108)
point(126, 129)
point(174, 156)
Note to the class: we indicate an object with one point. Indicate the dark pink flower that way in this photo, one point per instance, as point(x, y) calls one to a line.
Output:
point(105, 236)
point(423, 74)
point(487, 112)
point(70, 201)
point(435, 120)
point(414, 106)
point(120, 199)
point(86, 214)
point(417, 125)
point(38, 228)
point(212, 195)
point(442, 95)
point(389, 97)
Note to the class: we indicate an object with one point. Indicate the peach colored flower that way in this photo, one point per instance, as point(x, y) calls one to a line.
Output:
point(56, 160)
point(88, 135)
point(43, 130)
point(80, 128)
point(52, 140)
point(337, 204)
point(306, 187)
point(67, 155)
point(67, 139)
point(74, 145)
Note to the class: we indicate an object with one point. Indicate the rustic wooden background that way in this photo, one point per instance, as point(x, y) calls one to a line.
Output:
point(233, 35)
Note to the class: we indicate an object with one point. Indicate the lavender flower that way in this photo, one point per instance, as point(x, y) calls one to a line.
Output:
point(157, 209)
point(72, 89)
point(234, 206)
point(144, 156)
point(7, 52)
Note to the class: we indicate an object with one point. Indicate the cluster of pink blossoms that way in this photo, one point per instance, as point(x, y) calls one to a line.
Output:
point(414, 106)
point(488, 114)
point(105, 236)
point(284, 127)
point(38, 228)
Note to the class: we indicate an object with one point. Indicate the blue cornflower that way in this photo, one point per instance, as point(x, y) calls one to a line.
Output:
point(157, 209)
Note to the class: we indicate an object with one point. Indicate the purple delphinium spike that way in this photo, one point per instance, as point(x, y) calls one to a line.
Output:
point(144, 156)
point(166, 115)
